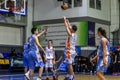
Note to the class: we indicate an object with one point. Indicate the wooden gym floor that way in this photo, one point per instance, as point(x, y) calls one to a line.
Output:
point(78, 77)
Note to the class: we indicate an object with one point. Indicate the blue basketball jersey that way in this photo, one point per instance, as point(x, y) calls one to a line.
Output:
point(100, 49)
point(26, 47)
point(33, 46)
point(100, 67)
point(35, 58)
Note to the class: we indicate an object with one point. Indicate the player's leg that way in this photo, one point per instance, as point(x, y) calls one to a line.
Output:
point(25, 63)
point(101, 69)
point(40, 63)
point(70, 68)
point(40, 73)
point(26, 66)
point(31, 74)
point(31, 58)
point(46, 69)
point(52, 71)
point(100, 75)
point(54, 74)
point(52, 62)
point(25, 70)
point(67, 76)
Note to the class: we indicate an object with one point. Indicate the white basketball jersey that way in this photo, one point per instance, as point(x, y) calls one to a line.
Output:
point(73, 40)
point(49, 53)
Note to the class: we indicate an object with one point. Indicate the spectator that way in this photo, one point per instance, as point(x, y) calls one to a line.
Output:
point(1, 55)
point(116, 59)
point(84, 63)
point(111, 67)
point(13, 54)
point(93, 65)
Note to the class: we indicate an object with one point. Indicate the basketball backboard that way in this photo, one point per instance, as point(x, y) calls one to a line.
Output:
point(19, 6)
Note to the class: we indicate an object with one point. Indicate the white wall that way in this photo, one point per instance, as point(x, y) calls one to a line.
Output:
point(11, 35)
point(50, 9)
point(114, 15)
point(103, 14)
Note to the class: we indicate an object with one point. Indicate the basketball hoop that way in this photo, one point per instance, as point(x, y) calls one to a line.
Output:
point(11, 9)
point(17, 16)
point(10, 5)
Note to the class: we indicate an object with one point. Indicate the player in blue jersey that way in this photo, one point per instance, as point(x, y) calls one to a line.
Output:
point(25, 57)
point(64, 65)
point(34, 55)
point(103, 54)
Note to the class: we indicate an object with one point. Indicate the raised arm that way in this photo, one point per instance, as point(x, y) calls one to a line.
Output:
point(67, 27)
point(43, 32)
point(38, 44)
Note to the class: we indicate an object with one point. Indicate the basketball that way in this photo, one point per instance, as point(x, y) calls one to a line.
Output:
point(64, 6)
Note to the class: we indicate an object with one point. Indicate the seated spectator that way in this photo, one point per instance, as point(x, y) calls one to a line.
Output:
point(84, 66)
point(1, 55)
point(93, 65)
point(116, 62)
point(13, 54)
point(111, 66)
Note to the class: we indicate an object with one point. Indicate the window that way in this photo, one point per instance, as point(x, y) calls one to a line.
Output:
point(115, 38)
point(95, 4)
point(92, 4)
point(77, 3)
point(98, 4)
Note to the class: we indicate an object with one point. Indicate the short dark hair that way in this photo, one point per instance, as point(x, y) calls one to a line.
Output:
point(50, 41)
point(74, 27)
point(33, 30)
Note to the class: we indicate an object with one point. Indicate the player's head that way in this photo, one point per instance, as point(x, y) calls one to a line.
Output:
point(50, 42)
point(101, 32)
point(34, 31)
point(74, 29)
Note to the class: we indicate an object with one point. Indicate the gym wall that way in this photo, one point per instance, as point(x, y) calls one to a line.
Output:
point(11, 35)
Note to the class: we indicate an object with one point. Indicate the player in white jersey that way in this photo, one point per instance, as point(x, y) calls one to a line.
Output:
point(70, 47)
point(50, 59)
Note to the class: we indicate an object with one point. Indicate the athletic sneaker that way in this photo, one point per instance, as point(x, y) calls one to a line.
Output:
point(27, 76)
point(39, 79)
point(72, 78)
point(47, 78)
point(55, 78)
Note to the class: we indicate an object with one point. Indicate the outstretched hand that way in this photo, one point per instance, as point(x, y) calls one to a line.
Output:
point(64, 17)
point(46, 29)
